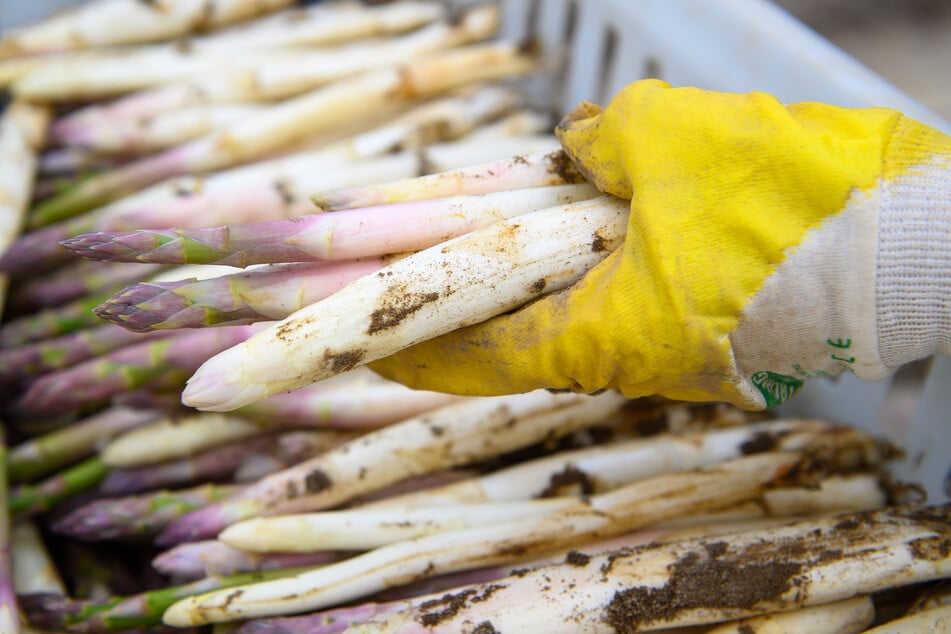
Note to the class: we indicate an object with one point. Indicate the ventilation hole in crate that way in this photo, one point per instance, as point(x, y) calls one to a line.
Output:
point(652, 69)
point(571, 21)
point(608, 59)
point(531, 32)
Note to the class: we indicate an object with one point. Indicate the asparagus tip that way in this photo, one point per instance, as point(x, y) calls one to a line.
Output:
point(140, 307)
point(102, 245)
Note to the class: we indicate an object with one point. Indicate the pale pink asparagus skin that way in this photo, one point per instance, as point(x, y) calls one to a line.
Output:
point(209, 466)
point(199, 559)
point(362, 405)
point(533, 170)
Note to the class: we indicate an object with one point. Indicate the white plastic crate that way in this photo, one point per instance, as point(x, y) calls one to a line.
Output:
point(592, 48)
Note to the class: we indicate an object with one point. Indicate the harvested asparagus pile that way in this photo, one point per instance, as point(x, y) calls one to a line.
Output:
point(187, 448)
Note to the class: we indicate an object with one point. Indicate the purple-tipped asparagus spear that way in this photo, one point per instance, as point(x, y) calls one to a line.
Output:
point(200, 559)
point(33, 359)
point(42, 455)
point(126, 369)
point(354, 233)
point(73, 282)
point(212, 465)
point(264, 294)
point(137, 515)
point(53, 322)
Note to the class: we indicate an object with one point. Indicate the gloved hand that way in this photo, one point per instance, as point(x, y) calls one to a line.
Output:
point(766, 245)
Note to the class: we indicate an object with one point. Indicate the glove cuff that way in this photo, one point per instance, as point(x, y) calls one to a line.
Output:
point(913, 267)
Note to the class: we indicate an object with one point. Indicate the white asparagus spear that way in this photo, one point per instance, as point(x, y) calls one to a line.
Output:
point(113, 22)
point(298, 71)
point(442, 157)
point(323, 24)
point(326, 111)
point(165, 129)
point(935, 620)
point(238, 74)
point(461, 433)
point(371, 526)
point(840, 617)
point(649, 501)
point(605, 467)
point(33, 569)
point(22, 132)
point(699, 581)
point(170, 438)
point(460, 282)
point(365, 529)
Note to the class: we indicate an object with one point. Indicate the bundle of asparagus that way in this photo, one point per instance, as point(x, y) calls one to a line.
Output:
point(371, 170)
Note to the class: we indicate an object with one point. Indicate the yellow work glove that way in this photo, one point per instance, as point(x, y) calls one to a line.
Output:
point(767, 244)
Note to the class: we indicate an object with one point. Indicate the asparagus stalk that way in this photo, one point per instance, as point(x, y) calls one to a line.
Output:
point(34, 571)
point(75, 281)
point(355, 233)
point(520, 172)
point(267, 191)
point(42, 455)
point(295, 72)
point(208, 466)
point(357, 400)
point(9, 613)
point(126, 369)
point(448, 286)
point(937, 619)
point(28, 361)
point(365, 529)
point(646, 502)
point(453, 435)
point(320, 111)
point(446, 156)
point(22, 132)
point(605, 467)
point(135, 138)
point(849, 616)
point(109, 23)
point(137, 515)
point(703, 580)
point(32, 499)
point(53, 322)
point(200, 559)
point(125, 612)
point(264, 294)
point(170, 439)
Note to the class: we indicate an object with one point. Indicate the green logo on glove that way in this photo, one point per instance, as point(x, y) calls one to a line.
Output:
point(775, 388)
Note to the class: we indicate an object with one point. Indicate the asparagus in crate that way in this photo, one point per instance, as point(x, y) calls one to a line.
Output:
point(262, 191)
point(108, 23)
point(646, 502)
point(669, 585)
point(460, 433)
point(321, 111)
point(448, 286)
point(148, 119)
